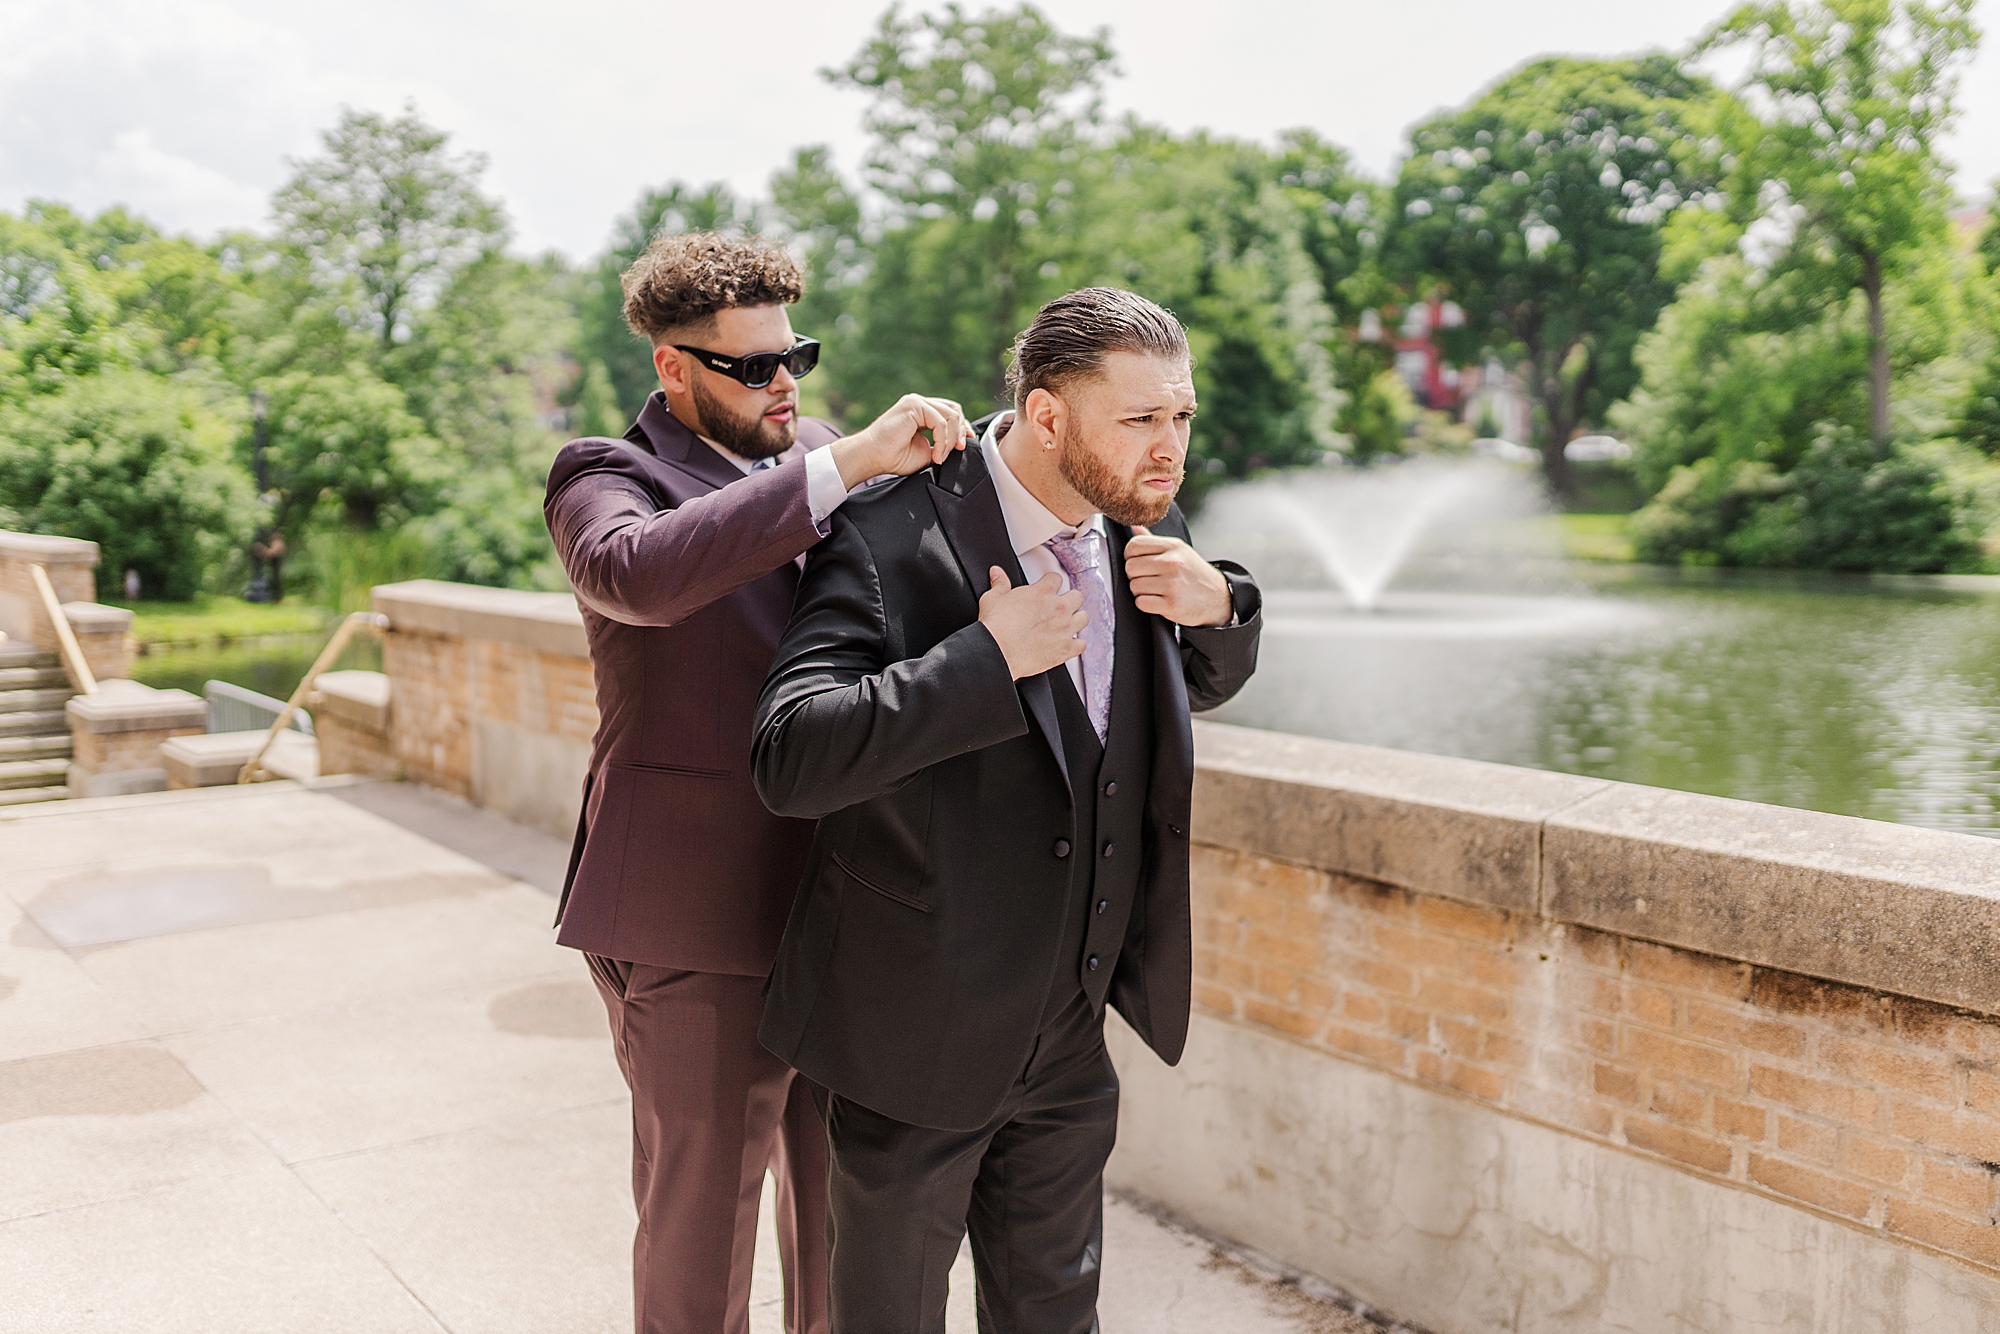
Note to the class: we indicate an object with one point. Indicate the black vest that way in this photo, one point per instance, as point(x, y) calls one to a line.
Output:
point(1108, 784)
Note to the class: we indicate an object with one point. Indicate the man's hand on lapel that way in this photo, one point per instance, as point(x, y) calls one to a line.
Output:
point(915, 433)
point(1169, 578)
point(1037, 627)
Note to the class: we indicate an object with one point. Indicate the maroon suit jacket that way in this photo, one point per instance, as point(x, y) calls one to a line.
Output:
point(685, 570)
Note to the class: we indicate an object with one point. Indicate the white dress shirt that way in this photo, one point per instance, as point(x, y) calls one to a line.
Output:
point(824, 489)
point(1029, 525)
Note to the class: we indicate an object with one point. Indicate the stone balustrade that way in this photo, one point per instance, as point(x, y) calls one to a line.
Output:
point(104, 634)
point(351, 723)
point(491, 695)
point(116, 735)
point(1488, 1048)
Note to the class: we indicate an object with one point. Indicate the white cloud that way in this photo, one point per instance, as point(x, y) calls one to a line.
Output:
point(136, 172)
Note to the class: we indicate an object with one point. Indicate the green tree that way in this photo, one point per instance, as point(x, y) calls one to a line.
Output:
point(1980, 424)
point(349, 438)
point(417, 368)
point(1852, 96)
point(138, 464)
point(384, 218)
point(1989, 236)
point(1538, 207)
point(1339, 216)
point(1207, 227)
point(1743, 368)
point(979, 125)
point(819, 215)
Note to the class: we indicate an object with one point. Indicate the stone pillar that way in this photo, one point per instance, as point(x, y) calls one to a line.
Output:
point(350, 712)
point(105, 636)
point(103, 633)
point(115, 736)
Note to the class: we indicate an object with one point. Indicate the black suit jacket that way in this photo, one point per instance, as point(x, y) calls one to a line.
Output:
point(924, 938)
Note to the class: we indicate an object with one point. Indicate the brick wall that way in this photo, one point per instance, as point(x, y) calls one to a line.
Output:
point(1881, 1110)
point(117, 752)
point(72, 580)
point(347, 748)
point(446, 684)
point(434, 704)
point(541, 692)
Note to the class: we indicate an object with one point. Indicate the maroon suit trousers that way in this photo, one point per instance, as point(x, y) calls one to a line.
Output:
point(711, 1110)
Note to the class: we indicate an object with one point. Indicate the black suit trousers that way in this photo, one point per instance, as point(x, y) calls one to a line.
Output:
point(1028, 1185)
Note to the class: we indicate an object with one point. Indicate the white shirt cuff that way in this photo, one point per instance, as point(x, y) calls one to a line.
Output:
point(824, 489)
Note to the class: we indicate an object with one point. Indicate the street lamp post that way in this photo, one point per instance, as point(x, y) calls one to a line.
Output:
point(260, 583)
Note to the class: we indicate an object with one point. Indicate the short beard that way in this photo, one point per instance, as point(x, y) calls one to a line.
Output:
point(1118, 499)
point(746, 438)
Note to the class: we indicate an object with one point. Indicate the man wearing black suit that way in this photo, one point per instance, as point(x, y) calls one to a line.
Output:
point(1002, 772)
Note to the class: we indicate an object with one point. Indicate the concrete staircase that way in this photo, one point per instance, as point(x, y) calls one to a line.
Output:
point(34, 735)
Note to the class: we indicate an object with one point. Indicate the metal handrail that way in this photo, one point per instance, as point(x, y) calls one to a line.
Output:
point(79, 670)
point(373, 622)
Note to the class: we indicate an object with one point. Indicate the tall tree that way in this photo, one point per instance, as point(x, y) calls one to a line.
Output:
point(1851, 97)
point(385, 216)
point(979, 123)
point(820, 217)
point(1538, 209)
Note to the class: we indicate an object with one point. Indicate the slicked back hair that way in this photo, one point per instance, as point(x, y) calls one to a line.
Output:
point(682, 281)
point(1070, 337)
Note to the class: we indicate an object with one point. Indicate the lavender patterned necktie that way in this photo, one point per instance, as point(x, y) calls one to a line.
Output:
point(1080, 559)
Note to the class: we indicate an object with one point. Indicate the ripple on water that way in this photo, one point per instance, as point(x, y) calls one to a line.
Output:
point(1857, 699)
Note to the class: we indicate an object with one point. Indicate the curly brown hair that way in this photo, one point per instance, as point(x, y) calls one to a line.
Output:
point(682, 281)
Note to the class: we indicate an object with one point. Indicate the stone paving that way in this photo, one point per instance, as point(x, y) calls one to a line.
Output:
point(292, 1058)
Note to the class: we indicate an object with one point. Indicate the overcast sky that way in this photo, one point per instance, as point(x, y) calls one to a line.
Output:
point(186, 110)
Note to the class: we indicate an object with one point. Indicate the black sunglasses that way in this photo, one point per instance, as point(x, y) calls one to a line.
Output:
point(760, 368)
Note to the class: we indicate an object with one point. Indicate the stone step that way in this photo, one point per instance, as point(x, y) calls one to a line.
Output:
point(34, 722)
point(14, 677)
point(35, 747)
point(16, 654)
point(33, 701)
point(32, 773)
point(21, 796)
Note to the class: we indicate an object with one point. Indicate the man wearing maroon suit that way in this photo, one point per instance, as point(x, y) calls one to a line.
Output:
point(683, 542)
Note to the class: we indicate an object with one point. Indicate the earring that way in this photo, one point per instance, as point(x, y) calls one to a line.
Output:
point(1048, 444)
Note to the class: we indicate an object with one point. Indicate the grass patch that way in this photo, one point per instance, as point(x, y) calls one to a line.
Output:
point(221, 620)
point(1599, 537)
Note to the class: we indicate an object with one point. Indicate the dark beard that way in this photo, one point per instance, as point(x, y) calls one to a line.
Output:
point(746, 438)
point(1116, 498)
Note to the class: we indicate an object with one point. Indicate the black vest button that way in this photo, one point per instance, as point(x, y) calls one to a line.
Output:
point(1062, 847)
point(1093, 963)
point(1108, 847)
point(1111, 788)
point(1102, 904)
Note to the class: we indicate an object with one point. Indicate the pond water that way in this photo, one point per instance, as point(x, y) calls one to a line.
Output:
point(272, 666)
point(1846, 695)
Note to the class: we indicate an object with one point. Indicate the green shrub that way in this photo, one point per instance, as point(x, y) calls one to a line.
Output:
point(349, 436)
point(340, 564)
point(138, 464)
point(491, 531)
point(1839, 508)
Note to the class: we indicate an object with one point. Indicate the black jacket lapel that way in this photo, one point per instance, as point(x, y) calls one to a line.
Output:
point(968, 510)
